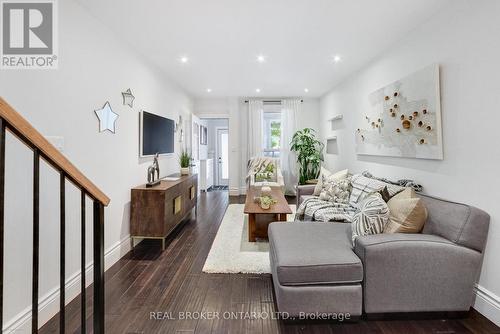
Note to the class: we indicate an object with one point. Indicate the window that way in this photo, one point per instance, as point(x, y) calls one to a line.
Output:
point(272, 130)
point(275, 135)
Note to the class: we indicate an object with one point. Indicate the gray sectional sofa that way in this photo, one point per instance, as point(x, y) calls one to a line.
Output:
point(315, 268)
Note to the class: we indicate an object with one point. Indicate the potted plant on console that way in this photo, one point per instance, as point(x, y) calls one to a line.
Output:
point(309, 152)
point(185, 161)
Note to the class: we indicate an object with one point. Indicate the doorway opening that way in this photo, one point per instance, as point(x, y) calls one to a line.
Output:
point(214, 154)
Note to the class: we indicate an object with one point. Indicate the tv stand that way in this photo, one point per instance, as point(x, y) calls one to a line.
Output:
point(156, 211)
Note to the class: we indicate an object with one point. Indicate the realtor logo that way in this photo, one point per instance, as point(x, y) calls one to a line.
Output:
point(28, 35)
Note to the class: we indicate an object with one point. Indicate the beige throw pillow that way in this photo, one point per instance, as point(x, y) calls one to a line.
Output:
point(326, 176)
point(407, 213)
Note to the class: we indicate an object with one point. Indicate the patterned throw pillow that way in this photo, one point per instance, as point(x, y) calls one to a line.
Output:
point(326, 176)
point(371, 216)
point(407, 213)
point(337, 191)
point(363, 186)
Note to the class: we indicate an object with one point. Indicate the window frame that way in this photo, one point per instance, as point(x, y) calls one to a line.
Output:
point(273, 113)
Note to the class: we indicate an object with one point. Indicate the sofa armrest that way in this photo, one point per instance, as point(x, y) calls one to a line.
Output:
point(416, 273)
point(303, 190)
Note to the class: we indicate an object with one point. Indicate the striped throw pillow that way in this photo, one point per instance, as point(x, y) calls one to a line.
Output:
point(362, 186)
point(371, 216)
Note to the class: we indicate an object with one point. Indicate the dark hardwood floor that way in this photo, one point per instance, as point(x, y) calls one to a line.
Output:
point(147, 280)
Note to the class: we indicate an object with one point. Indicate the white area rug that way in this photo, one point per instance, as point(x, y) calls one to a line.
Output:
point(231, 251)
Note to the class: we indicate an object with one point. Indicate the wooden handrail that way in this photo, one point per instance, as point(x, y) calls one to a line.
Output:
point(37, 140)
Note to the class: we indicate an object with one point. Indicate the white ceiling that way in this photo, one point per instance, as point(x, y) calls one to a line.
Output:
point(222, 39)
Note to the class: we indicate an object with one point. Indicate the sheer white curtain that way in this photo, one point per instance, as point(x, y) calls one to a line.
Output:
point(290, 109)
point(255, 142)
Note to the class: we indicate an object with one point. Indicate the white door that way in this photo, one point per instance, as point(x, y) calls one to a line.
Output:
point(222, 157)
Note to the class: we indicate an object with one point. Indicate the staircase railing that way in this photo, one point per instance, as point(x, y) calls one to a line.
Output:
point(13, 122)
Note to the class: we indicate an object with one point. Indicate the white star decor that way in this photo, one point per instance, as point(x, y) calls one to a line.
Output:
point(128, 98)
point(107, 118)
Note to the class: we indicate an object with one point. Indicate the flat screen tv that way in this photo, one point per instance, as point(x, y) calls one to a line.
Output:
point(156, 134)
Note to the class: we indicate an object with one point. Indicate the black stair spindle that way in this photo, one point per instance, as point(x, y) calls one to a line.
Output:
point(36, 220)
point(2, 205)
point(82, 293)
point(98, 267)
point(62, 256)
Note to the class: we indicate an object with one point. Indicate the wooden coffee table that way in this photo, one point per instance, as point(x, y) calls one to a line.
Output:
point(258, 218)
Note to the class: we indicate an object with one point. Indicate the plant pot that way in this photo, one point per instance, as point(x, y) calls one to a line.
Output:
point(184, 170)
point(265, 206)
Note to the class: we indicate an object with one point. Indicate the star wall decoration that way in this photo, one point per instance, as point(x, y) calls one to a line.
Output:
point(128, 98)
point(107, 118)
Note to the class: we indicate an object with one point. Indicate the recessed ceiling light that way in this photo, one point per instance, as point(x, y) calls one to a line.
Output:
point(306, 90)
point(336, 58)
point(257, 90)
point(209, 90)
point(184, 59)
point(261, 58)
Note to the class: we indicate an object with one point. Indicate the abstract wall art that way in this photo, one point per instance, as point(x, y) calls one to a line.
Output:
point(404, 118)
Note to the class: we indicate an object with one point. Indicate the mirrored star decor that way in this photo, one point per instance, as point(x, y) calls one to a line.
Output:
point(128, 98)
point(107, 118)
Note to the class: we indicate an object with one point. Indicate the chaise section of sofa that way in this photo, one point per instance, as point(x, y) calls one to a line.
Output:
point(314, 269)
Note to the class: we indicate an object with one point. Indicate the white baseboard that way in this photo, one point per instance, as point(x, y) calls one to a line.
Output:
point(488, 304)
point(48, 305)
point(235, 191)
point(117, 251)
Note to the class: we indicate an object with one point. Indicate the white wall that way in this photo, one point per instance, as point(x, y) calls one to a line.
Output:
point(309, 117)
point(463, 39)
point(94, 67)
point(235, 109)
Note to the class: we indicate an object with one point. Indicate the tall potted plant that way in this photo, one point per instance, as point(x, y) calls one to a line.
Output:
point(309, 152)
point(185, 161)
